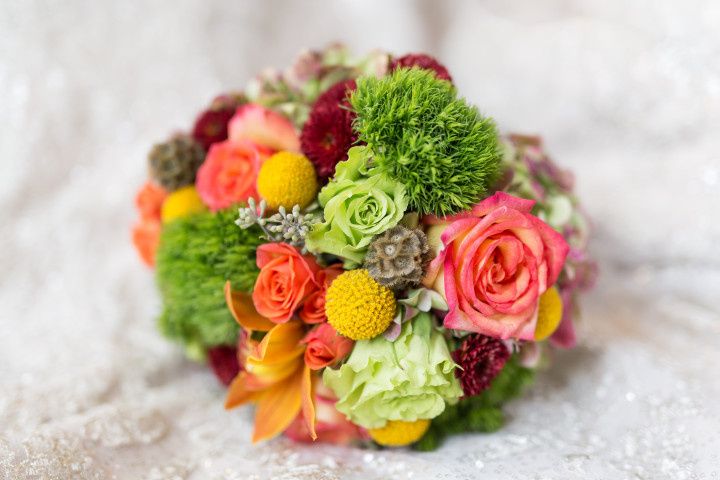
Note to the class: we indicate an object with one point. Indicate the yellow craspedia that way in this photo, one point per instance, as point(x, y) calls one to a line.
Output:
point(550, 312)
point(397, 433)
point(181, 203)
point(287, 179)
point(358, 307)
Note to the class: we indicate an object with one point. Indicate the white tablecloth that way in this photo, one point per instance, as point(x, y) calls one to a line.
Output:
point(626, 93)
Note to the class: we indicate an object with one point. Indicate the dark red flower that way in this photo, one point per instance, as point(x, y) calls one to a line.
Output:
point(481, 358)
point(211, 125)
point(328, 133)
point(223, 360)
point(423, 61)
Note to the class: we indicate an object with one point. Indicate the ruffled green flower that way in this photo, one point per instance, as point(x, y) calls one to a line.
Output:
point(358, 203)
point(409, 379)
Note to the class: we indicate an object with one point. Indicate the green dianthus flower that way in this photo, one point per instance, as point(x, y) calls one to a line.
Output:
point(425, 137)
point(196, 256)
point(409, 379)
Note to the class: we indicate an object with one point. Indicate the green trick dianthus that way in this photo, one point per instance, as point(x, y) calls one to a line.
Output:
point(423, 136)
point(196, 256)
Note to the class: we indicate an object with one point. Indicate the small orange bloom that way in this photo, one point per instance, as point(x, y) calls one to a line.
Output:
point(313, 310)
point(325, 347)
point(146, 238)
point(146, 233)
point(149, 200)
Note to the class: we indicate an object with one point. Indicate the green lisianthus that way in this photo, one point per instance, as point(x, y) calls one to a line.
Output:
point(358, 204)
point(409, 379)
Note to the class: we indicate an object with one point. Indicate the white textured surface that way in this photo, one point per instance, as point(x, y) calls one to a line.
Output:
point(627, 93)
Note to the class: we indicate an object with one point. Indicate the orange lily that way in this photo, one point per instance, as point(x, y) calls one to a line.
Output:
point(274, 375)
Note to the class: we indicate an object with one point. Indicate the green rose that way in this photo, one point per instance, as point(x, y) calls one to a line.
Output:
point(359, 203)
point(409, 379)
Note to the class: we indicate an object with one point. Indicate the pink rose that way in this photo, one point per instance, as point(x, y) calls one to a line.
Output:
point(331, 426)
point(495, 263)
point(264, 127)
point(286, 279)
point(325, 347)
point(229, 173)
point(313, 310)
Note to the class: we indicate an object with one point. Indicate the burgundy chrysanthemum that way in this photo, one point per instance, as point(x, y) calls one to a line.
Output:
point(212, 126)
point(423, 61)
point(224, 363)
point(481, 358)
point(328, 133)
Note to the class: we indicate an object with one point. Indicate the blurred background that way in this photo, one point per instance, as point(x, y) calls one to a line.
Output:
point(625, 93)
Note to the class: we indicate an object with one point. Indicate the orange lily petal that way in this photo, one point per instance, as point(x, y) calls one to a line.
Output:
point(277, 407)
point(238, 392)
point(243, 310)
point(281, 344)
point(308, 406)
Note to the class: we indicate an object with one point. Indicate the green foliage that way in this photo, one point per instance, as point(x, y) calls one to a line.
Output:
point(481, 413)
point(197, 254)
point(423, 136)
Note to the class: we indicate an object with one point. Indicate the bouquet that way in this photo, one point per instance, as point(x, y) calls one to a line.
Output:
point(355, 250)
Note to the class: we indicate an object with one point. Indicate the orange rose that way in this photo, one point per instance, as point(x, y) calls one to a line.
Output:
point(146, 238)
point(149, 200)
point(229, 173)
point(146, 233)
point(313, 310)
point(325, 347)
point(285, 281)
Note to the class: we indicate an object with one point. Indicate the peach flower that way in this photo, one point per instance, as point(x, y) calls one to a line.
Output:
point(261, 126)
point(146, 238)
point(149, 200)
point(495, 262)
point(146, 233)
point(313, 310)
point(229, 173)
point(325, 347)
point(285, 281)
point(331, 426)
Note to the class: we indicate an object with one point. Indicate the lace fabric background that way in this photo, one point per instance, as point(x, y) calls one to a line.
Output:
point(626, 93)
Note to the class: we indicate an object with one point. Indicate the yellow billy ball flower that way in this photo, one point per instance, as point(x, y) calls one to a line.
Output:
point(397, 433)
point(550, 312)
point(182, 203)
point(358, 307)
point(287, 179)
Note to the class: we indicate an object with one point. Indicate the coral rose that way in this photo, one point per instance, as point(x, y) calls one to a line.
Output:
point(229, 173)
point(495, 263)
point(325, 347)
point(263, 127)
point(146, 239)
point(149, 200)
point(146, 233)
point(313, 310)
point(286, 279)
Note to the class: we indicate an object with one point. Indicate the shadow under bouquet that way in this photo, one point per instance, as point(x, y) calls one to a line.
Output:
point(355, 250)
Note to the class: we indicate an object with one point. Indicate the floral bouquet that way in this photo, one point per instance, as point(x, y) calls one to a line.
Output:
point(354, 249)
